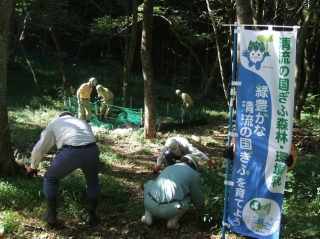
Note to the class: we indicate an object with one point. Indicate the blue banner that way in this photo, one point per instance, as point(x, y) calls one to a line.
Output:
point(264, 119)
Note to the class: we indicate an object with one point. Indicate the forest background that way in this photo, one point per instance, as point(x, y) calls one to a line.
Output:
point(141, 48)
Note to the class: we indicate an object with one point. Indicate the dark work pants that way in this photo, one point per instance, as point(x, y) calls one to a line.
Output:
point(68, 160)
point(171, 157)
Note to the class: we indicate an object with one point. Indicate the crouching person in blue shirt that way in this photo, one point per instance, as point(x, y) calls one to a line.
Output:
point(172, 193)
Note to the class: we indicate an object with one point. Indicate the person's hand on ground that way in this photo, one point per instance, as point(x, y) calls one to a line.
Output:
point(156, 169)
point(211, 163)
point(31, 172)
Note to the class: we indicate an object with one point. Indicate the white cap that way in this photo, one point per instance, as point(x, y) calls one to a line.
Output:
point(93, 81)
point(99, 88)
point(173, 145)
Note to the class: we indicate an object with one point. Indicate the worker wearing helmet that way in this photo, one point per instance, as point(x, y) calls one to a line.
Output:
point(187, 104)
point(173, 192)
point(107, 101)
point(175, 148)
point(83, 95)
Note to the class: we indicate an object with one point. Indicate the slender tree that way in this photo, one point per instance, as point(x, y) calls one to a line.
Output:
point(304, 59)
point(58, 54)
point(130, 51)
point(7, 161)
point(244, 13)
point(150, 127)
point(224, 79)
point(20, 39)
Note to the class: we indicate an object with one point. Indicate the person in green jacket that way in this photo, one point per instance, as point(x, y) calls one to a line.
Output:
point(172, 193)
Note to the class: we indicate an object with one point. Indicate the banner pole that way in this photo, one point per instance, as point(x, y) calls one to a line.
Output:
point(232, 90)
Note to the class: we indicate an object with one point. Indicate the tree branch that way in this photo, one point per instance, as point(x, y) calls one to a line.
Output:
point(45, 44)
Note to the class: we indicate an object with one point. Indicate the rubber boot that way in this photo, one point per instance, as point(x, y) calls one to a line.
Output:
point(50, 215)
point(92, 206)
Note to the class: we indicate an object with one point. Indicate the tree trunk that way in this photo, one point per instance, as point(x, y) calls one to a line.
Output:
point(224, 79)
point(257, 11)
point(299, 56)
point(66, 83)
point(7, 161)
point(25, 54)
point(244, 12)
point(130, 51)
point(214, 76)
point(277, 13)
point(309, 71)
point(317, 69)
point(305, 91)
point(31, 68)
point(150, 127)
